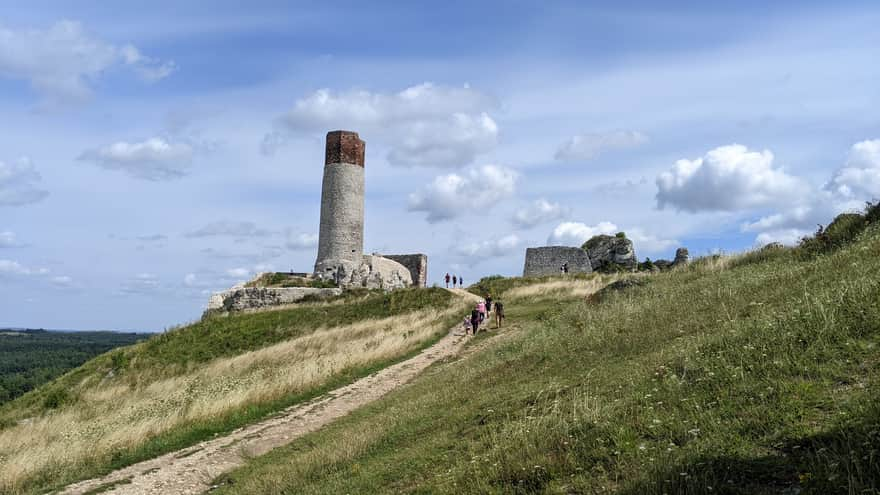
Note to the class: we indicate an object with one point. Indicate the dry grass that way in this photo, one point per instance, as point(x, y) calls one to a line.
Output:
point(568, 288)
point(110, 417)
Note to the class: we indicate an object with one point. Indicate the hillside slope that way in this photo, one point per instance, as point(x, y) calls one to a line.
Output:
point(750, 374)
point(207, 378)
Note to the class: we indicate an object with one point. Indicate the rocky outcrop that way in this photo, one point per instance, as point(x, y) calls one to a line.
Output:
point(374, 272)
point(549, 260)
point(248, 298)
point(681, 257)
point(611, 253)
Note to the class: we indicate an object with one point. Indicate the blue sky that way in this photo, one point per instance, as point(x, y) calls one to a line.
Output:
point(153, 153)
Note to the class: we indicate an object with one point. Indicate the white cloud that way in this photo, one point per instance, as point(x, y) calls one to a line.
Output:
point(19, 184)
point(478, 189)
point(63, 61)
point(728, 178)
point(494, 248)
point(231, 229)
point(301, 241)
point(238, 272)
point(9, 240)
point(859, 178)
point(789, 237)
point(451, 142)
point(577, 233)
point(9, 267)
point(590, 146)
point(538, 212)
point(424, 125)
point(645, 243)
point(154, 159)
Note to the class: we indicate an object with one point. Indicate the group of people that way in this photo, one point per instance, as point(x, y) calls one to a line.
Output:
point(480, 314)
point(456, 281)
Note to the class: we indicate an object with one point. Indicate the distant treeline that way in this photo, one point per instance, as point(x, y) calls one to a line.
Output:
point(29, 358)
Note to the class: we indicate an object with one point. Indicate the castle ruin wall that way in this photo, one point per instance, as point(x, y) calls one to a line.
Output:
point(417, 264)
point(548, 260)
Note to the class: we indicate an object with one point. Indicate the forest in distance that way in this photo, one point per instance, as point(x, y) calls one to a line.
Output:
point(29, 358)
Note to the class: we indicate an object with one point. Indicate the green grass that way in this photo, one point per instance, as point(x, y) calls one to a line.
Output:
point(220, 336)
point(189, 347)
point(760, 376)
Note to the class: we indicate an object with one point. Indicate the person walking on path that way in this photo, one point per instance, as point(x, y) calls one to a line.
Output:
point(499, 314)
point(482, 307)
point(466, 324)
point(461, 282)
point(475, 319)
point(488, 303)
point(447, 280)
point(454, 281)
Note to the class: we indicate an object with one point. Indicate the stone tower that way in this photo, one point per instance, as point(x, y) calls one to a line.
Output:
point(341, 233)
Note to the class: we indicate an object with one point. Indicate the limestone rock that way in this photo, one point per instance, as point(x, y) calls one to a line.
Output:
point(249, 298)
point(374, 272)
point(681, 256)
point(611, 253)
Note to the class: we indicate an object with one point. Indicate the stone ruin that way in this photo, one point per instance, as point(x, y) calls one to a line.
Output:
point(341, 256)
point(602, 253)
point(549, 260)
point(341, 259)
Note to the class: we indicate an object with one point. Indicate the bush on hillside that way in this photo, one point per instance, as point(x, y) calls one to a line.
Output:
point(840, 232)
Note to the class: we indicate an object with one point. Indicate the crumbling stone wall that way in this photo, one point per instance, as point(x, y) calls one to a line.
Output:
point(548, 260)
point(417, 264)
point(249, 298)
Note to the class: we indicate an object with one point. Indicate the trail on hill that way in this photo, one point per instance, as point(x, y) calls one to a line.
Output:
point(191, 470)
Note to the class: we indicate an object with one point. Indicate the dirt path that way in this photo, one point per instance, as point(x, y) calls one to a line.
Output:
point(191, 470)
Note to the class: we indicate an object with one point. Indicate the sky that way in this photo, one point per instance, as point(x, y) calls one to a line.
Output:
point(151, 154)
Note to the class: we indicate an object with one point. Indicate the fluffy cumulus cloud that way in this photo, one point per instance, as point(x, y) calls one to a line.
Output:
point(449, 196)
point(63, 61)
point(728, 178)
point(853, 183)
point(228, 228)
point(538, 212)
point(577, 233)
point(301, 241)
point(494, 248)
point(424, 125)
point(649, 244)
point(859, 177)
point(591, 145)
point(19, 183)
point(153, 159)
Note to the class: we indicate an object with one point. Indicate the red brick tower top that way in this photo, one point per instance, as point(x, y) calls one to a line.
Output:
point(344, 147)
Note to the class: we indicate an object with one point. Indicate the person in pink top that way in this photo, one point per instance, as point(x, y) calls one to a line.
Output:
point(481, 307)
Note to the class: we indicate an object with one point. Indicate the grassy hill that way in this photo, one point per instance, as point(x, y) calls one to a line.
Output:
point(756, 373)
point(30, 358)
point(191, 383)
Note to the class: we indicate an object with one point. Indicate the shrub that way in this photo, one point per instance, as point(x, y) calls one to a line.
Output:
point(56, 398)
point(620, 235)
point(841, 231)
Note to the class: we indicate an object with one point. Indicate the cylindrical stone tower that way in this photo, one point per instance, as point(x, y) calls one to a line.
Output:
point(341, 234)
